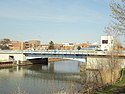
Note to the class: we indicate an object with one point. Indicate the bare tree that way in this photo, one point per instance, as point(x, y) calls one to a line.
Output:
point(118, 16)
point(116, 29)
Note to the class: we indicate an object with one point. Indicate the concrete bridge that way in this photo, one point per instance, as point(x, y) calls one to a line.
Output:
point(79, 55)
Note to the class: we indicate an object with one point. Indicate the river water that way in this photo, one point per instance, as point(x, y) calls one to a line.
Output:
point(41, 79)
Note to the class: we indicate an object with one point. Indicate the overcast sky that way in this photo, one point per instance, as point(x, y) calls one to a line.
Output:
point(57, 20)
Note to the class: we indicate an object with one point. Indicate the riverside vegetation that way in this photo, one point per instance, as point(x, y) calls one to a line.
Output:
point(117, 88)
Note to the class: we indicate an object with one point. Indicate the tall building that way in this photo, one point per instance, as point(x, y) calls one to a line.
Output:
point(106, 43)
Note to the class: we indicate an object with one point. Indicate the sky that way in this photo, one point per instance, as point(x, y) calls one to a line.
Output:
point(61, 21)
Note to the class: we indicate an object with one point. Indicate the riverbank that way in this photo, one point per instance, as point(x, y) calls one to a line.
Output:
point(55, 59)
point(117, 88)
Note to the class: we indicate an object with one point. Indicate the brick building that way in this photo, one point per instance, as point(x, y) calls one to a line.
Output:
point(16, 45)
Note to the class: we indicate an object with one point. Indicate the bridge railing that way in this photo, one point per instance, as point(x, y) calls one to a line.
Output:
point(63, 51)
point(88, 52)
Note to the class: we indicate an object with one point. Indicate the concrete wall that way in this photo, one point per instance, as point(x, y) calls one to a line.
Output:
point(96, 62)
point(16, 57)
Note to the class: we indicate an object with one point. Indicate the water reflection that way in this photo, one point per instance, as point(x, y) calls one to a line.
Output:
point(38, 79)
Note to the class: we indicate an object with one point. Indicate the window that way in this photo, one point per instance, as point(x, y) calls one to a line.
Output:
point(104, 41)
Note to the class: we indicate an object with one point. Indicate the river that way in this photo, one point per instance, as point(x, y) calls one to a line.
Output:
point(41, 79)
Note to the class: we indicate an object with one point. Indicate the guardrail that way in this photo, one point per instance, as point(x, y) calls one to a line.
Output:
point(91, 52)
point(61, 51)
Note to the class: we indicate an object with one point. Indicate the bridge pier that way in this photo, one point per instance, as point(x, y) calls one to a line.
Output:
point(97, 62)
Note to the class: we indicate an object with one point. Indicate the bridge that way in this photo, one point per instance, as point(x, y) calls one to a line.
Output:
point(79, 55)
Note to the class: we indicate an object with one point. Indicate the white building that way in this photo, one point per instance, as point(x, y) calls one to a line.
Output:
point(106, 43)
point(68, 44)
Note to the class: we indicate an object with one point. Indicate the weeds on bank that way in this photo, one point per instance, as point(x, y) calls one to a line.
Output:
point(117, 88)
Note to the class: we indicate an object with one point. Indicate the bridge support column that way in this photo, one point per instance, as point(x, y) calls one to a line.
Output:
point(17, 62)
point(97, 62)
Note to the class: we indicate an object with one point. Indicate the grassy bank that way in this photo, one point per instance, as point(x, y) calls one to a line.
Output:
point(117, 88)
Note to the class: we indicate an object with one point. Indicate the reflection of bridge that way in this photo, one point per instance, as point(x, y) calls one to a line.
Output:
point(50, 73)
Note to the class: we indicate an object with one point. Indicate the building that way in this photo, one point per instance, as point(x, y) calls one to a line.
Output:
point(44, 47)
point(27, 45)
point(84, 45)
point(34, 44)
point(106, 43)
point(16, 45)
point(68, 46)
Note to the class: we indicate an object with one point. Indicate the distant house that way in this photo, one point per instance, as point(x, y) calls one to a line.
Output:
point(68, 46)
point(85, 45)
